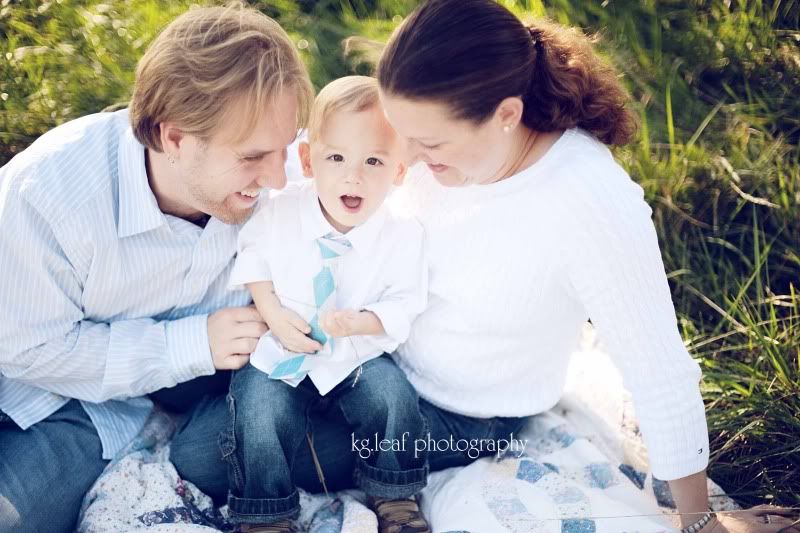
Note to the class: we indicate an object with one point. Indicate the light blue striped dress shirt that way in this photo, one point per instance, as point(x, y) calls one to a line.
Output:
point(104, 298)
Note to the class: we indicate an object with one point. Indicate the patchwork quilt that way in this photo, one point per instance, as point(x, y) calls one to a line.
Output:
point(583, 469)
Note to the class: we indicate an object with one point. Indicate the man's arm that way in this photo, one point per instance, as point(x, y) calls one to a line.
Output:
point(46, 341)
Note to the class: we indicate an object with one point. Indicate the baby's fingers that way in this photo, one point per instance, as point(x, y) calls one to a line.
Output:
point(298, 323)
point(297, 342)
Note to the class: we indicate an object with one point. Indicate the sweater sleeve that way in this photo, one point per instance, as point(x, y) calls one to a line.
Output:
point(615, 270)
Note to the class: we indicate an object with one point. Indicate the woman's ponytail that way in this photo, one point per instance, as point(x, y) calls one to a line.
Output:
point(570, 85)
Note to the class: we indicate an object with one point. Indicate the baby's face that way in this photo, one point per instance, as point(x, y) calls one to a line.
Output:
point(354, 161)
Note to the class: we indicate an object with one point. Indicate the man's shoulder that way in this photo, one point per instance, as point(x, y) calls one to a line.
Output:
point(66, 166)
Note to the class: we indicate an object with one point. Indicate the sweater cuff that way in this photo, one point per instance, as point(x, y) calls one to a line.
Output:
point(676, 433)
point(188, 351)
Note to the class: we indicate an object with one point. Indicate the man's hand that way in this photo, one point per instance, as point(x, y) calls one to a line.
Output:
point(291, 330)
point(233, 333)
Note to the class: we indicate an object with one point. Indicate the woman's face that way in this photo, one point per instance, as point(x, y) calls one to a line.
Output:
point(458, 152)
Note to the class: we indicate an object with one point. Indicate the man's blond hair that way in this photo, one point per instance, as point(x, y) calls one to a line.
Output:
point(208, 61)
point(351, 93)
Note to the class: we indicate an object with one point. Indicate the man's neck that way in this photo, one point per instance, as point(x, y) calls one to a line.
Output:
point(162, 177)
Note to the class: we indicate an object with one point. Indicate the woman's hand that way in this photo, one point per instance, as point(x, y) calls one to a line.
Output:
point(760, 519)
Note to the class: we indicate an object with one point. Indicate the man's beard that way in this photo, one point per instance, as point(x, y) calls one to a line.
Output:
point(219, 210)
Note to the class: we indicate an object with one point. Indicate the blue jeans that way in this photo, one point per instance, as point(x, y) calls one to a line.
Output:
point(46, 470)
point(196, 454)
point(268, 425)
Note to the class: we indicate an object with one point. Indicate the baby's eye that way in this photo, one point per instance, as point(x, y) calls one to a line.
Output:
point(374, 161)
point(337, 158)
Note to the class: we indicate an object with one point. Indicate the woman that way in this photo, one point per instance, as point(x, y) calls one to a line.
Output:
point(533, 229)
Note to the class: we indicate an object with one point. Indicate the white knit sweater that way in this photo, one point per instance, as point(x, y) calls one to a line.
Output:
point(518, 266)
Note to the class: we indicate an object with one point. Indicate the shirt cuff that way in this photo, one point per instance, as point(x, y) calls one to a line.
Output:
point(249, 267)
point(393, 318)
point(188, 352)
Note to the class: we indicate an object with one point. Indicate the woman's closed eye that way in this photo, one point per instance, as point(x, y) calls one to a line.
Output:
point(430, 146)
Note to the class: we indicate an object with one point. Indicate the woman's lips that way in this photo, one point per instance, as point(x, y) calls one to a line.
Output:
point(437, 168)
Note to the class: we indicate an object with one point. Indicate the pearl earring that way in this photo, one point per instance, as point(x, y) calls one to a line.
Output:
point(506, 128)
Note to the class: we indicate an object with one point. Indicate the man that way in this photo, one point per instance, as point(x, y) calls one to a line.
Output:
point(118, 234)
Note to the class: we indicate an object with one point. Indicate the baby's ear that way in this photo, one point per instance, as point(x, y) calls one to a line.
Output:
point(304, 151)
point(401, 174)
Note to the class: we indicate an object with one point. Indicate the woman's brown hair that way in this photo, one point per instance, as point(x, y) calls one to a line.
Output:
point(472, 54)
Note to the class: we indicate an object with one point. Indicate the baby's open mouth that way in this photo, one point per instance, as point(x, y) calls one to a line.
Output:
point(351, 203)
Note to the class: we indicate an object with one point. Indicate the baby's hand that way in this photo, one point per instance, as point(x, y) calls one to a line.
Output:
point(291, 330)
point(342, 323)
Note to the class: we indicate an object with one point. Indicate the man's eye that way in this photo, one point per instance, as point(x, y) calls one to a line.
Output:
point(252, 158)
point(374, 161)
point(337, 158)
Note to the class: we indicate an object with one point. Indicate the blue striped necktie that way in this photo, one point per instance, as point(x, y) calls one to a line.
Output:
point(292, 370)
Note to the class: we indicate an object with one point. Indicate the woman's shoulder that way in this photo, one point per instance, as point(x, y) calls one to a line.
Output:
point(584, 163)
point(578, 154)
point(591, 184)
point(401, 221)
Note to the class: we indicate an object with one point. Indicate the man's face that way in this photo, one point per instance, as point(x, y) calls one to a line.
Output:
point(354, 161)
point(222, 178)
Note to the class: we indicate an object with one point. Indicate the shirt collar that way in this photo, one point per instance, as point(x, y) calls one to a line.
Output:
point(314, 225)
point(138, 208)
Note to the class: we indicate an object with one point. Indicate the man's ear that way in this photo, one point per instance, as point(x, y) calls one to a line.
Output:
point(401, 175)
point(304, 151)
point(171, 137)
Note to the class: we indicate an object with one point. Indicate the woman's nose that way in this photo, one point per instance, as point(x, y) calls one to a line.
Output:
point(415, 153)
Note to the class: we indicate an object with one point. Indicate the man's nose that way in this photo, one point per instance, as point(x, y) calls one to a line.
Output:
point(274, 178)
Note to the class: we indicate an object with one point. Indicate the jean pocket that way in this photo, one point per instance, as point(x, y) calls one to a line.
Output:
point(227, 446)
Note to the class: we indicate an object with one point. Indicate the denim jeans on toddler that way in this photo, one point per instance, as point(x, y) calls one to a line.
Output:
point(269, 421)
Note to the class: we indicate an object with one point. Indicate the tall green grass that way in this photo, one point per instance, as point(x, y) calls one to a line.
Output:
point(716, 84)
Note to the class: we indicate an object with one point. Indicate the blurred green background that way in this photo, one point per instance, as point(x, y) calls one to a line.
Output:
point(717, 87)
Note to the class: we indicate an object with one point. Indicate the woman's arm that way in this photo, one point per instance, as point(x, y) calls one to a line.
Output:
point(691, 498)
